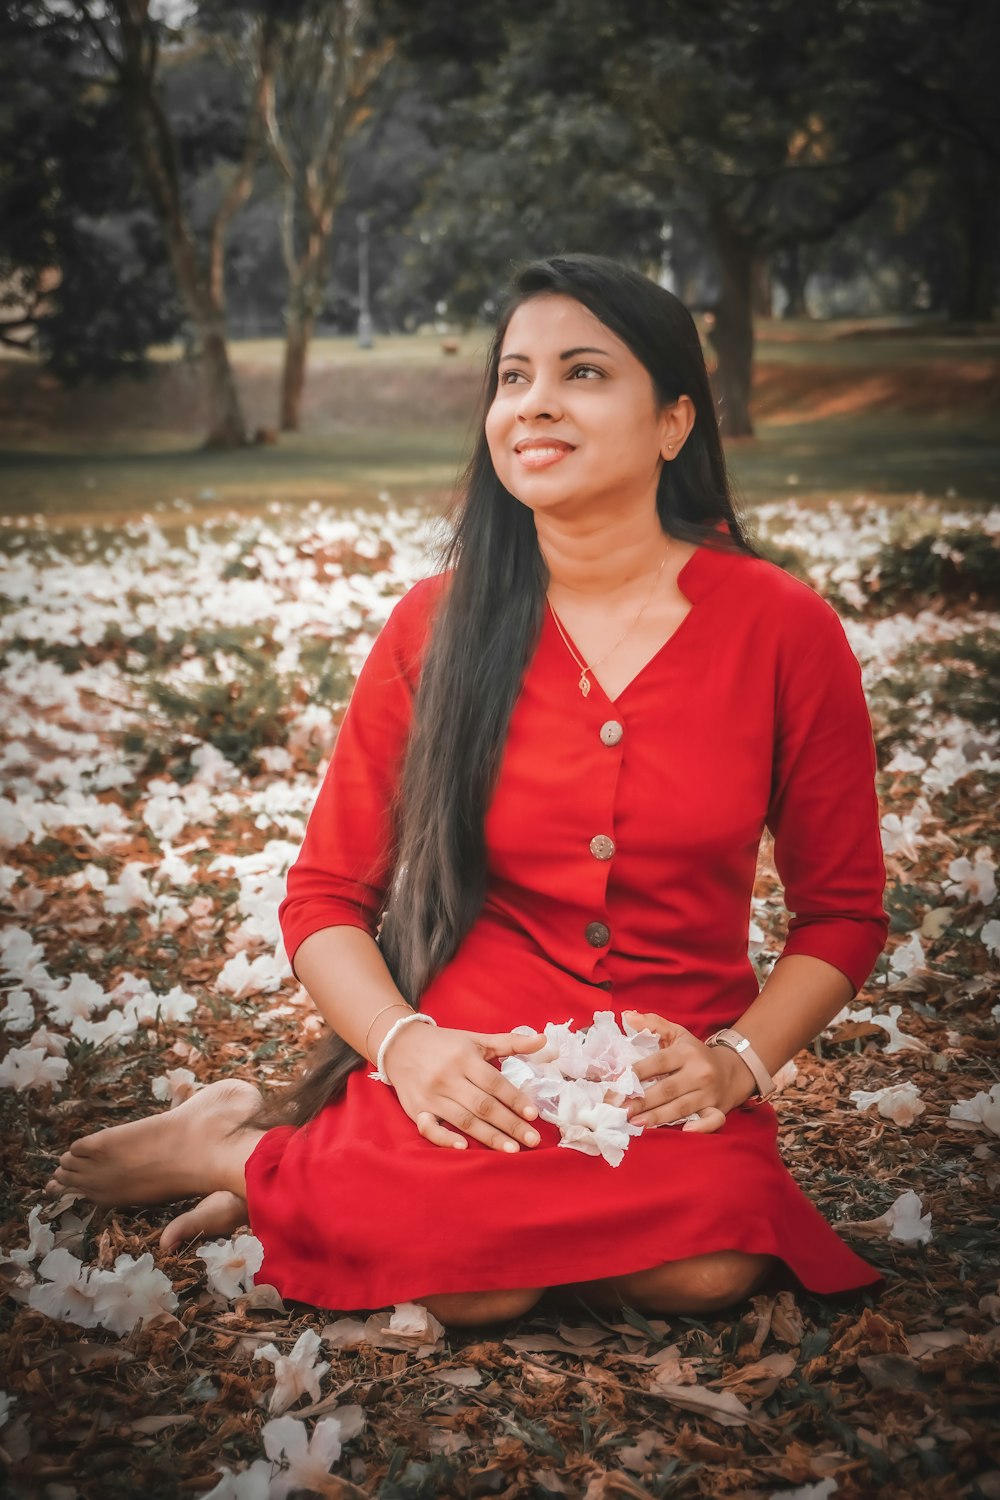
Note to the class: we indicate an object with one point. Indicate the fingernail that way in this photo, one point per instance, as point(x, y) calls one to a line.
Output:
point(529, 1112)
point(511, 1146)
point(638, 1120)
point(532, 1137)
point(460, 1145)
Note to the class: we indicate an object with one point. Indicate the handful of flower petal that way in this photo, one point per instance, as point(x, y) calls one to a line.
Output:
point(580, 1081)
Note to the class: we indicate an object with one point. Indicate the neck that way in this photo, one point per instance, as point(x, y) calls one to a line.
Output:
point(601, 556)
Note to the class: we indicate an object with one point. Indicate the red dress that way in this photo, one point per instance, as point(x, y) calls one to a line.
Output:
point(752, 713)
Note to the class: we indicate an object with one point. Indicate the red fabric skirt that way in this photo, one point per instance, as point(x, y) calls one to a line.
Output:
point(356, 1210)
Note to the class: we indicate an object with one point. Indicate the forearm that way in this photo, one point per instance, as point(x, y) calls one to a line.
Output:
point(349, 983)
point(800, 996)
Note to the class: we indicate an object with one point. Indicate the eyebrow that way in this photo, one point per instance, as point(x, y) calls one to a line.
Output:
point(566, 354)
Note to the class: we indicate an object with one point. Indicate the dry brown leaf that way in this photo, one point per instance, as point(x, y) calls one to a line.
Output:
point(894, 1372)
point(150, 1426)
point(786, 1319)
point(721, 1406)
point(769, 1371)
point(345, 1333)
point(921, 1344)
point(583, 1337)
point(461, 1375)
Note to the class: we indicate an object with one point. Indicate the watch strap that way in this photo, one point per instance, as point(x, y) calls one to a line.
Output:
point(737, 1042)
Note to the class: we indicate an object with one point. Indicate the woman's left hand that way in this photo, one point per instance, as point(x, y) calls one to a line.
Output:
point(690, 1078)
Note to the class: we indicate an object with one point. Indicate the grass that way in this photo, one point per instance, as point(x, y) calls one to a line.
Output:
point(841, 409)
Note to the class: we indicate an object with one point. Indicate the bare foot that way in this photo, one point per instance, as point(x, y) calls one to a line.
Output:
point(219, 1213)
point(187, 1152)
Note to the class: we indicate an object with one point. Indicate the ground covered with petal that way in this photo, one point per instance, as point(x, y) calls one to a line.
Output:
point(170, 699)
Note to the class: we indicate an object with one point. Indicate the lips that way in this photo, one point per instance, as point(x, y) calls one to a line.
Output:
point(540, 453)
point(531, 444)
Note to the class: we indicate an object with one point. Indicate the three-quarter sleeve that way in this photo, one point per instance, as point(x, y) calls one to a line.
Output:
point(823, 811)
point(341, 874)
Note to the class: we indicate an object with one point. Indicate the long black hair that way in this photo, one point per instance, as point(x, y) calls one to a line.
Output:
point(486, 629)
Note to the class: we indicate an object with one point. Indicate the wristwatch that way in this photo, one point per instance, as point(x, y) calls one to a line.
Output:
point(728, 1037)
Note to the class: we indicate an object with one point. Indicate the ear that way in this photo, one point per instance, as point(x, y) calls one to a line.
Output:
point(676, 422)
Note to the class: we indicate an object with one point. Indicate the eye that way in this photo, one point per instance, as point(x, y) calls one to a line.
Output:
point(586, 371)
point(508, 377)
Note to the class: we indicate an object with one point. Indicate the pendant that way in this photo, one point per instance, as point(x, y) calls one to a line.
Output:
point(584, 684)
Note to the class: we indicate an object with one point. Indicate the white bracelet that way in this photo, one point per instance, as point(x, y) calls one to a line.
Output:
point(380, 1073)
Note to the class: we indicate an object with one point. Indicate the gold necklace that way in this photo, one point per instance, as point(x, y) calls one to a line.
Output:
point(584, 683)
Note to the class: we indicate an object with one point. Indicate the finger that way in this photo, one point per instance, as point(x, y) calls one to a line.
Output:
point(457, 1112)
point(671, 1111)
point(506, 1043)
point(482, 1099)
point(432, 1130)
point(709, 1119)
point(657, 1065)
point(642, 1020)
point(492, 1081)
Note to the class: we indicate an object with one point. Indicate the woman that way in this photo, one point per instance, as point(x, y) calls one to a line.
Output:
point(546, 800)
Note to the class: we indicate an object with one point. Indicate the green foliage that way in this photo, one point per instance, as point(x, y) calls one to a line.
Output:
point(239, 714)
point(955, 566)
point(83, 265)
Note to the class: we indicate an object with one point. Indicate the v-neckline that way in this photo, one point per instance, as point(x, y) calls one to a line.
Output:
point(594, 680)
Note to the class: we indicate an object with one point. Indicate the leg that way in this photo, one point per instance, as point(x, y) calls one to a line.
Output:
point(197, 1149)
point(693, 1285)
point(468, 1309)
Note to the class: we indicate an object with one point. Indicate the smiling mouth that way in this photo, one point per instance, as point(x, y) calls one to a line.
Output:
point(536, 455)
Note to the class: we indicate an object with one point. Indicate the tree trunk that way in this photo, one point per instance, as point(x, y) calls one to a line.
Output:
point(732, 334)
point(156, 152)
point(298, 333)
point(793, 282)
point(305, 297)
point(977, 231)
point(763, 290)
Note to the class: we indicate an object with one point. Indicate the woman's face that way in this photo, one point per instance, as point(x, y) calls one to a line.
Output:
point(574, 426)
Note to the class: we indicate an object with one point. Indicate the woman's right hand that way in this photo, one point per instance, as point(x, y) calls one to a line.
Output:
point(444, 1077)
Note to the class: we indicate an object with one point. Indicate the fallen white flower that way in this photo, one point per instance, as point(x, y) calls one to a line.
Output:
point(902, 1220)
point(908, 957)
point(40, 1240)
point(65, 1291)
point(253, 1483)
point(900, 835)
point(981, 1109)
point(975, 881)
point(5, 1402)
point(240, 978)
point(131, 892)
point(905, 761)
point(230, 1265)
point(295, 1374)
point(899, 1041)
point(115, 1027)
point(175, 1085)
point(79, 999)
point(899, 1102)
point(989, 936)
point(307, 1459)
point(19, 1012)
point(821, 1490)
point(31, 1068)
point(411, 1320)
point(131, 1293)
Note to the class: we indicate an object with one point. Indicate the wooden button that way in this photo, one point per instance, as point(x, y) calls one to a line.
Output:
point(601, 847)
point(597, 935)
point(611, 732)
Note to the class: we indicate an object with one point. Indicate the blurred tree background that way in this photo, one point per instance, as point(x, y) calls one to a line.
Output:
point(227, 169)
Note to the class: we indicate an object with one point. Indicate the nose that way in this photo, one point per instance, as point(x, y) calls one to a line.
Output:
point(540, 398)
